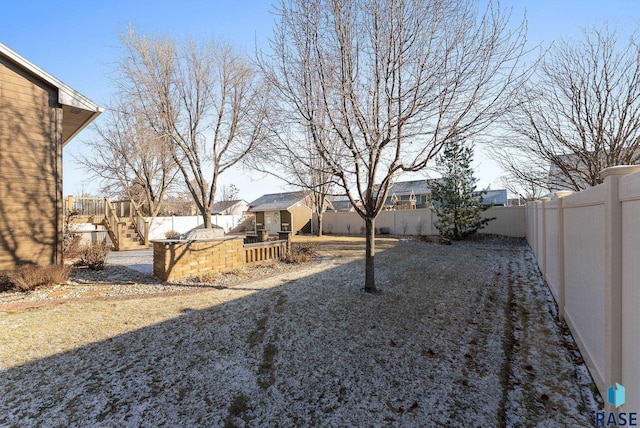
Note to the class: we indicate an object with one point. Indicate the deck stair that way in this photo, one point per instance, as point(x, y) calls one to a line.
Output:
point(123, 220)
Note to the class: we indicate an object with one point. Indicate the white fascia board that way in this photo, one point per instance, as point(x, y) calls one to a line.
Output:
point(66, 95)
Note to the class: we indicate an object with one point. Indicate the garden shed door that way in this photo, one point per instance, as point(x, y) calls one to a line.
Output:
point(272, 222)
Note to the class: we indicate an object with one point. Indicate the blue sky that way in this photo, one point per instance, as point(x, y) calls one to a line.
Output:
point(76, 41)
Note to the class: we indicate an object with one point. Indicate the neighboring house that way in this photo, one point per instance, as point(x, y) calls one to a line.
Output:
point(235, 207)
point(579, 176)
point(343, 205)
point(415, 194)
point(497, 197)
point(409, 194)
point(38, 115)
point(291, 211)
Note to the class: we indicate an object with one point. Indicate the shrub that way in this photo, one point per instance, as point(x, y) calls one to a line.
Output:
point(301, 252)
point(71, 245)
point(31, 277)
point(171, 234)
point(5, 285)
point(94, 256)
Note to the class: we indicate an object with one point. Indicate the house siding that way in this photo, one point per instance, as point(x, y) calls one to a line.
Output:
point(30, 169)
point(301, 219)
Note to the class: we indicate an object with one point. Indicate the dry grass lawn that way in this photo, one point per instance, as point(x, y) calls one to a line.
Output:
point(461, 335)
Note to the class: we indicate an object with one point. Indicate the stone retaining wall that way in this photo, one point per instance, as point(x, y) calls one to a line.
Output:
point(175, 259)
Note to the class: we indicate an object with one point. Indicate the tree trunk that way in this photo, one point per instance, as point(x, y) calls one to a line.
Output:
point(206, 217)
point(319, 231)
point(369, 272)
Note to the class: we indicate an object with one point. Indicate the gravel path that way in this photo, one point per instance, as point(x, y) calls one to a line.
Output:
point(461, 335)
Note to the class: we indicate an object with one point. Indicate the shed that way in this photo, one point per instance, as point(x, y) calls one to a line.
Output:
point(290, 211)
point(38, 115)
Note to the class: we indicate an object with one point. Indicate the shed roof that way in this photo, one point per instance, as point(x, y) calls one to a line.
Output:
point(277, 201)
point(78, 110)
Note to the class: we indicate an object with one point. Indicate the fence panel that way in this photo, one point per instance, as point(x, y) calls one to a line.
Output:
point(630, 196)
point(584, 258)
point(551, 247)
point(510, 221)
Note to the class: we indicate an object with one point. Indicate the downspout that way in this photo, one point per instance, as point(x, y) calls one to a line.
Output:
point(58, 257)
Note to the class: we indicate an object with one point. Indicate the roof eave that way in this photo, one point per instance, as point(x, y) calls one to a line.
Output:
point(84, 125)
point(66, 95)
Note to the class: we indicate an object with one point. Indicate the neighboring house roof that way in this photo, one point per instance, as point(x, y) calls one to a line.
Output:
point(342, 205)
point(494, 197)
point(78, 110)
point(222, 206)
point(417, 187)
point(278, 201)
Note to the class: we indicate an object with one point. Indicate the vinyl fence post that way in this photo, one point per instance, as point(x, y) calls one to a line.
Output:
point(560, 245)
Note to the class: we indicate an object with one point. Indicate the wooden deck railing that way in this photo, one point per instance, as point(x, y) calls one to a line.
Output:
point(85, 207)
point(111, 213)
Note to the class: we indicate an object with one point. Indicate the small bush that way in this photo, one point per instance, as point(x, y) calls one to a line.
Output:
point(301, 252)
point(71, 245)
point(5, 285)
point(31, 277)
point(70, 238)
point(94, 256)
point(171, 234)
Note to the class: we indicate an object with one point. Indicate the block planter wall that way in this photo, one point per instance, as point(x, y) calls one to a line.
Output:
point(175, 259)
point(180, 259)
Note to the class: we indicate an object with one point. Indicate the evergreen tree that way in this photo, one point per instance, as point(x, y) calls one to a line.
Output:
point(453, 197)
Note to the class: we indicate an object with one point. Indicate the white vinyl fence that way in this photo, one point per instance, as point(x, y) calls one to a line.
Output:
point(159, 226)
point(587, 245)
point(183, 224)
point(510, 221)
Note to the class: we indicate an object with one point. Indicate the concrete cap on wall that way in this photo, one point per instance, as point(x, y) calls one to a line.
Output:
point(619, 170)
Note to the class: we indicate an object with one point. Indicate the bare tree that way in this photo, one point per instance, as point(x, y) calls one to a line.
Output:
point(298, 128)
point(130, 158)
point(228, 196)
point(206, 99)
point(578, 115)
point(229, 193)
point(393, 81)
point(292, 156)
point(524, 190)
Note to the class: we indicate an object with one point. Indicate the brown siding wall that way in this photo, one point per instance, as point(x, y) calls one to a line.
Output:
point(30, 170)
point(301, 219)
